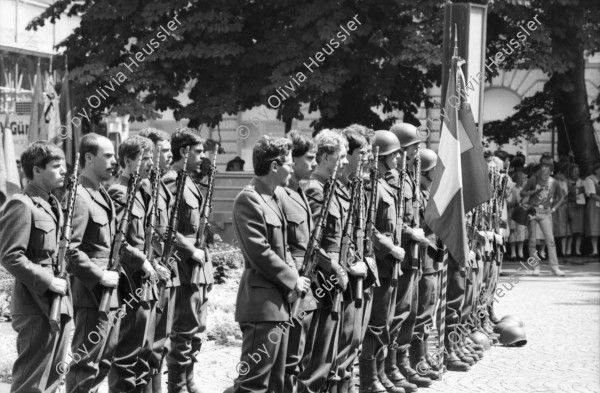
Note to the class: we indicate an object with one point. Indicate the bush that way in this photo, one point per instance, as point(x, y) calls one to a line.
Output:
point(225, 258)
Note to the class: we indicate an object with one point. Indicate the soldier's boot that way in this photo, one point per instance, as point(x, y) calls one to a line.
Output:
point(451, 361)
point(385, 381)
point(468, 351)
point(492, 314)
point(394, 375)
point(461, 355)
point(410, 373)
point(369, 383)
point(176, 379)
point(474, 348)
point(419, 362)
point(189, 379)
point(435, 366)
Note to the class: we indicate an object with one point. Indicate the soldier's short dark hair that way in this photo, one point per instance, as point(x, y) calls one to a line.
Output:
point(183, 137)
point(367, 132)
point(132, 146)
point(89, 144)
point(39, 153)
point(356, 140)
point(268, 150)
point(155, 135)
point(301, 143)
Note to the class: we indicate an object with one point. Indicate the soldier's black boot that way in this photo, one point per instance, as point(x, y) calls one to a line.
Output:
point(385, 381)
point(435, 366)
point(189, 379)
point(451, 360)
point(410, 373)
point(369, 383)
point(176, 379)
point(418, 361)
point(393, 373)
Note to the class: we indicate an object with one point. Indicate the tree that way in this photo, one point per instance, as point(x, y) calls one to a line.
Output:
point(569, 32)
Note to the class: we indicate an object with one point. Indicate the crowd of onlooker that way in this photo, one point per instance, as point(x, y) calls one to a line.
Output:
point(563, 208)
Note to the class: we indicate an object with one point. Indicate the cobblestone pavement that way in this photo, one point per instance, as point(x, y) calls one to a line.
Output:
point(562, 321)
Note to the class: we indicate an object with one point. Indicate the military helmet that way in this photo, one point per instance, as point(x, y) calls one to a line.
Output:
point(428, 159)
point(408, 134)
point(513, 336)
point(500, 326)
point(387, 142)
point(513, 318)
point(481, 339)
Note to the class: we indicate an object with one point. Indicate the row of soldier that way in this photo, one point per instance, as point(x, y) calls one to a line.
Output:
point(334, 224)
point(365, 288)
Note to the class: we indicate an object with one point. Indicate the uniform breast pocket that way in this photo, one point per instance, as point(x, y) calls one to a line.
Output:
point(190, 215)
point(98, 229)
point(297, 228)
point(334, 222)
point(44, 234)
point(137, 220)
point(274, 227)
point(388, 205)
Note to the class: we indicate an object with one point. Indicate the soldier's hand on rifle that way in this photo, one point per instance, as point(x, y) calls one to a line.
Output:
point(398, 253)
point(303, 285)
point(148, 270)
point(359, 269)
point(199, 256)
point(163, 273)
point(463, 271)
point(58, 285)
point(417, 234)
point(109, 279)
point(291, 296)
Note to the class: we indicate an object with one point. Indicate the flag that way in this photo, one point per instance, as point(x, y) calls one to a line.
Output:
point(37, 125)
point(51, 111)
point(9, 173)
point(474, 168)
point(445, 211)
point(71, 128)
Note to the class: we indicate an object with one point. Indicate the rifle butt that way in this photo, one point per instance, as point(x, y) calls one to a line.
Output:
point(358, 302)
point(104, 307)
point(337, 306)
point(55, 313)
point(395, 273)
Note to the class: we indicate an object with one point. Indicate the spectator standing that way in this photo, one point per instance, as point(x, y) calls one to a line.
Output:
point(518, 232)
point(560, 224)
point(592, 211)
point(575, 209)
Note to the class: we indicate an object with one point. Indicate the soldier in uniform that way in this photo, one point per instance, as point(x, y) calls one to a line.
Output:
point(387, 252)
point(350, 323)
point(165, 305)
point(270, 280)
point(398, 367)
point(94, 225)
point(30, 225)
point(300, 226)
point(194, 267)
point(320, 354)
point(130, 370)
point(432, 258)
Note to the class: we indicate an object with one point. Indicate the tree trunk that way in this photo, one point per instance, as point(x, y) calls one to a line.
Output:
point(571, 99)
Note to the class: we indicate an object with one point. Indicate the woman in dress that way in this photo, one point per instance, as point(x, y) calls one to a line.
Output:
point(575, 210)
point(560, 222)
point(518, 232)
point(592, 210)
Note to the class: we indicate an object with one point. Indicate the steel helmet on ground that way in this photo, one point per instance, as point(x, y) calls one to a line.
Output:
point(514, 318)
point(500, 326)
point(387, 142)
point(513, 336)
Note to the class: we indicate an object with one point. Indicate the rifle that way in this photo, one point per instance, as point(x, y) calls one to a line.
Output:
point(309, 264)
point(360, 238)
point(347, 234)
point(206, 210)
point(417, 211)
point(150, 233)
point(60, 268)
point(369, 251)
point(400, 207)
point(116, 252)
point(171, 232)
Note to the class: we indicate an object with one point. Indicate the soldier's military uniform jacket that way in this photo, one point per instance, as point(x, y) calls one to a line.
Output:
point(432, 256)
point(29, 237)
point(190, 271)
point(269, 270)
point(94, 225)
point(300, 226)
point(385, 236)
point(135, 236)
